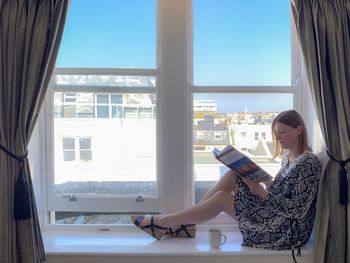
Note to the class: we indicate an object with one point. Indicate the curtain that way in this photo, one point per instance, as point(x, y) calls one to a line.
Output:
point(30, 34)
point(323, 28)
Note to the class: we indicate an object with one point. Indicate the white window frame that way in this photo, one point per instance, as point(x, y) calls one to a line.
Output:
point(174, 91)
point(95, 202)
point(297, 82)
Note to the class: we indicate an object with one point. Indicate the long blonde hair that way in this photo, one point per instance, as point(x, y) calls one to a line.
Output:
point(291, 118)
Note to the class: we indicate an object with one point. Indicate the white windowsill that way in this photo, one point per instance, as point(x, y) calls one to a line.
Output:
point(72, 245)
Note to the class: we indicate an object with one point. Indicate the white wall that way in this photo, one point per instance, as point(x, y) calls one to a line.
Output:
point(36, 155)
point(309, 114)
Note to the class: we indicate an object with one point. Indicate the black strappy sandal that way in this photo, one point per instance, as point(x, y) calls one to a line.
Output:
point(151, 229)
point(188, 230)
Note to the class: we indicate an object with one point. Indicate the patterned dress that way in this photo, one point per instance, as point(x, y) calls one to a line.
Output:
point(283, 220)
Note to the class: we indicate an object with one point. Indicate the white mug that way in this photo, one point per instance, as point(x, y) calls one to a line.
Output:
point(216, 238)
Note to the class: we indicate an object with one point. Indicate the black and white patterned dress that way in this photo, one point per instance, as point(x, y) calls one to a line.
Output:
point(285, 218)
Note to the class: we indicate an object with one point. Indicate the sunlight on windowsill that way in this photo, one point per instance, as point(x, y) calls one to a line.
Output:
point(139, 243)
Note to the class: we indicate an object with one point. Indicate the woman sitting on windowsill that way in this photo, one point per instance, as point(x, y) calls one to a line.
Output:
point(276, 214)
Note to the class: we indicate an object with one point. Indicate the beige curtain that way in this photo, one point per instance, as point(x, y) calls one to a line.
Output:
point(324, 27)
point(30, 34)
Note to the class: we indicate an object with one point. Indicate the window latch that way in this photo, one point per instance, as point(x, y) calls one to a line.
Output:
point(71, 198)
point(139, 198)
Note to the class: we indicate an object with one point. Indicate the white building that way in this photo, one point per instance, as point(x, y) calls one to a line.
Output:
point(205, 105)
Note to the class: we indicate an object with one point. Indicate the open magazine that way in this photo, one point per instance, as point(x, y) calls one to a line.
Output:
point(241, 164)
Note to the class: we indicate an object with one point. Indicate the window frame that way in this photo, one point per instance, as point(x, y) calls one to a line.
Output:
point(174, 113)
point(95, 202)
point(297, 82)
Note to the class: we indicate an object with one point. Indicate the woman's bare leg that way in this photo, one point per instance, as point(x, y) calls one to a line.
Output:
point(218, 199)
point(226, 183)
point(219, 202)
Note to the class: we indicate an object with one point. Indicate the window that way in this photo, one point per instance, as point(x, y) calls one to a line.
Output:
point(104, 93)
point(242, 78)
point(75, 148)
point(102, 105)
point(85, 151)
point(68, 149)
point(256, 136)
point(133, 115)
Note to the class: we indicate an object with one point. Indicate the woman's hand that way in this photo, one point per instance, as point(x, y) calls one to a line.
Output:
point(256, 188)
point(268, 183)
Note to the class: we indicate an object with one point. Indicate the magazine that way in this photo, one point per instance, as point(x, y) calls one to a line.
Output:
point(241, 164)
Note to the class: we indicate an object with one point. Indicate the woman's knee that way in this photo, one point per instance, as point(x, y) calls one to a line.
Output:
point(229, 180)
point(230, 173)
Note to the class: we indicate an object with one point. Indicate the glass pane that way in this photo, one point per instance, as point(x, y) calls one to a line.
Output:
point(68, 143)
point(109, 34)
point(102, 98)
point(243, 120)
point(116, 99)
point(68, 111)
point(117, 111)
point(85, 143)
point(102, 111)
point(68, 156)
point(85, 155)
point(111, 153)
point(242, 43)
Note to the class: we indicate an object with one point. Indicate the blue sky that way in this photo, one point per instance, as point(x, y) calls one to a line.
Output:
point(243, 42)
point(236, 42)
point(109, 34)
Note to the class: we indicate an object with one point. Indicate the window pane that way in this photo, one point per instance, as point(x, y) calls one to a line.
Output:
point(85, 143)
point(68, 156)
point(236, 119)
point(85, 155)
point(116, 99)
point(68, 143)
point(68, 146)
point(109, 153)
point(114, 34)
point(242, 43)
point(102, 111)
point(117, 111)
point(102, 98)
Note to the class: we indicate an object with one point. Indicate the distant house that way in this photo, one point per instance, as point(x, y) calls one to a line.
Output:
point(207, 132)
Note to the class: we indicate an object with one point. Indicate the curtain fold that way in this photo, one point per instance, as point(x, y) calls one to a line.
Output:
point(324, 33)
point(30, 35)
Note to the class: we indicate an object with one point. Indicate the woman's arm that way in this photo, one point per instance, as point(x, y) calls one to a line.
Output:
point(259, 189)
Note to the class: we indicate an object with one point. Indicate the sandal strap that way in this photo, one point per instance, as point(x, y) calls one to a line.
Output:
point(138, 220)
point(183, 228)
point(170, 231)
point(152, 226)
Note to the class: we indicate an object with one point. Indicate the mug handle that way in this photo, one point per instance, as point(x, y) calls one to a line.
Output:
point(224, 241)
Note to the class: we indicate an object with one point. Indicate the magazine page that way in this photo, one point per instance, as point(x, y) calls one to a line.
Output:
point(240, 163)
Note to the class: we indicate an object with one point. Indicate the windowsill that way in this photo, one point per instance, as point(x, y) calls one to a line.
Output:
point(75, 243)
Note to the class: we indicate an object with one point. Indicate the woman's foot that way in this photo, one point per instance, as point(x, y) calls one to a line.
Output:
point(149, 225)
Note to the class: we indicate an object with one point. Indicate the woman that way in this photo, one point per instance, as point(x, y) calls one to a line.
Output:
point(277, 214)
